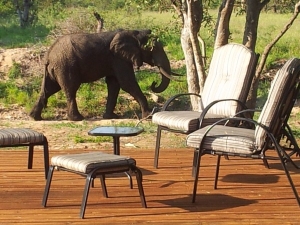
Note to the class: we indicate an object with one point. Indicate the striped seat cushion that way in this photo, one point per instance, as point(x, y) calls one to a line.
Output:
point(225, 139)
point(182, 120)
point(86, 162)
point(15, 136)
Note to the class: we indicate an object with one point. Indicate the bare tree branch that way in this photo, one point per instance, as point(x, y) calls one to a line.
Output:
point(177, 7)
point(275, 40)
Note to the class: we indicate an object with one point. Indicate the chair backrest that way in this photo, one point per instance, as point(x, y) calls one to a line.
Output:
point(230, 76)
point(281, 99)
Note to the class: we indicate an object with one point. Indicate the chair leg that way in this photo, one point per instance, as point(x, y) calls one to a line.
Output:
point(46, 158)
point(103, 185)
point(282, 160)
point(197, 172)
point(139, 180)
point(85, 195)
point(295, 144)
point(157, 146)
point(130, 180)
point(47, 187)
point(194, 162)
point(265, 162)
point(217, 171)
point(30, 156)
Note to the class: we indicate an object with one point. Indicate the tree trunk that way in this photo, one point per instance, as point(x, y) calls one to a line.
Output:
point(26, 11)
point(191, 70)
point(253, 10)
point(24, 15)
point(222, 26)
point(191, 12)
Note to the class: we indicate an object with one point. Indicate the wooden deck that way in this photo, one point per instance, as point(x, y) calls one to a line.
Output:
point(248, 192)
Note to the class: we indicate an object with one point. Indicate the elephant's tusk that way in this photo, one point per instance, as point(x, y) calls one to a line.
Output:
point(176, 74)
point(163, 72)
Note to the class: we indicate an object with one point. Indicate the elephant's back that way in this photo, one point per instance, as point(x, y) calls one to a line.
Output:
point(80, 45)
point(82, 50)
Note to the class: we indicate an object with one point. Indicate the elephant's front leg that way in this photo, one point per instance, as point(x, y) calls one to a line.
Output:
point(113, 89)
point(131, 86)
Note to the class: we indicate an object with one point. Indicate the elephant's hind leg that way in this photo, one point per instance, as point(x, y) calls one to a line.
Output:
point(49, 87)
point(73, 113)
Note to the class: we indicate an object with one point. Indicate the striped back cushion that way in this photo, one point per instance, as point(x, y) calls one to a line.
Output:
point(229, 77)
point(281, 98)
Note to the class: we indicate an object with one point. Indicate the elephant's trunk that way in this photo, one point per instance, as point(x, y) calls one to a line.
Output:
point(161, 60)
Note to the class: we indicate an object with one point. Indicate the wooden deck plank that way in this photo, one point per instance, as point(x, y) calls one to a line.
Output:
point(247, 193)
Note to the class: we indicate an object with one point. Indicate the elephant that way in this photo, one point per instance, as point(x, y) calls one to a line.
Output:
point(82, 58)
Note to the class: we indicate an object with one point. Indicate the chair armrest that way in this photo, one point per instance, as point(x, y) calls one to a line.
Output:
point(206, 109)
point(173, 98)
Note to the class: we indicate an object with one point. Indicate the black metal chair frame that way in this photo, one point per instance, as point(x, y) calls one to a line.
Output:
point(280, 130)
point(89, 182)
point(282, 156)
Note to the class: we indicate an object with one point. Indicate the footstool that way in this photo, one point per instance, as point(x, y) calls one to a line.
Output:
point(92, 165)
point(17, 137)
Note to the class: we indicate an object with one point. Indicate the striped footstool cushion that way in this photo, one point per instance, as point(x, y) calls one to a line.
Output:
point(86, 162)
point(15, 136)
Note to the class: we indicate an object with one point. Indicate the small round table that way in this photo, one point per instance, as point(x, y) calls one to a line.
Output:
point(116, 132)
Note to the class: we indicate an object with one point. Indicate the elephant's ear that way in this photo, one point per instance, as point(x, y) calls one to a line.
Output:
point(126, 46)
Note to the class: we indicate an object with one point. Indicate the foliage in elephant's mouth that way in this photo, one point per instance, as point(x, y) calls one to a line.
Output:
point(152, 39)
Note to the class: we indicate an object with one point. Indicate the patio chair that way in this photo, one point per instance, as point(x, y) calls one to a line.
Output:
point(222, 140)
point(17, 137)
point(225, 91)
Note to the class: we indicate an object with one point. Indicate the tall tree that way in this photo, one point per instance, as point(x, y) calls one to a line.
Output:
point(25, 11)
point(251, 28)
point(191, 12)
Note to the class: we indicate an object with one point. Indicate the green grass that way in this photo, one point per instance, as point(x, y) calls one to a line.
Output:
point(12, 36)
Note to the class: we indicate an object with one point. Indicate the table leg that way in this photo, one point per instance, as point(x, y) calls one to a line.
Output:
point(117, 152)
point(116, 145)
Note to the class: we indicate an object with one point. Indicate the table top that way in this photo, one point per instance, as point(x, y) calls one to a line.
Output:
point(115, 131)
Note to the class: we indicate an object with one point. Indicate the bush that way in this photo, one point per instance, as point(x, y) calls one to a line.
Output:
point(6, 7)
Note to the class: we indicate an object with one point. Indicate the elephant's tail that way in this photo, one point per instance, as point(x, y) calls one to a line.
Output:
point(43, 86)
